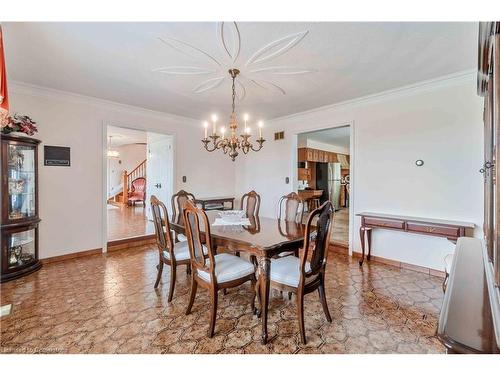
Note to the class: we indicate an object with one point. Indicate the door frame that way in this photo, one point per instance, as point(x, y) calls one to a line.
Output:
point(104, 175)
point(294, 171)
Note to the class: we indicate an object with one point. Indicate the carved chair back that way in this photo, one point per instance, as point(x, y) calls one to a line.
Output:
point(291, 208)
point(317, 253)
point(250, 203)
point(164, 238)
point(179, 200)
point(195, 219)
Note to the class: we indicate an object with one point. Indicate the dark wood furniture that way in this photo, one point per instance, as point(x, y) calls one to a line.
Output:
point(306, 274)
point(263, 243)
point(250, 203)
point(215, 203)
point(213, 271)
point(418, 225)
point(470, 316)
point(170, 254)
point(465, 323)
point(19, 219)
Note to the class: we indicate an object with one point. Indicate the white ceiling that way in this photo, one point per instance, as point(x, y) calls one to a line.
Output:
point(125, 136)
point(318, 64)
point(335, 137)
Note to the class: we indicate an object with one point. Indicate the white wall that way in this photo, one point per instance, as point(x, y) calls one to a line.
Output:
point(71, 198)
point(439, 122)
point(130, 157)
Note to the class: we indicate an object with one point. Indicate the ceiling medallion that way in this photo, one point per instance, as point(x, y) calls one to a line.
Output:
point(257, 73)
point(232, 143)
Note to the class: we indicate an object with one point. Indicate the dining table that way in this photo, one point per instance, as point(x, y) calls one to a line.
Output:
point(264, 238)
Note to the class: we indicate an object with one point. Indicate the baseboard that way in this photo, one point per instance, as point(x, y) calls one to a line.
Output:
point(79, 254)
point(127, 243)
point(403, 265)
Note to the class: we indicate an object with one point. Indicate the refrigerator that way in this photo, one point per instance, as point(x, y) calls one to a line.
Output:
point(328, 179)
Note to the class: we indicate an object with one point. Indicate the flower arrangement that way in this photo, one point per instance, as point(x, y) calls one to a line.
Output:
point(18, 123)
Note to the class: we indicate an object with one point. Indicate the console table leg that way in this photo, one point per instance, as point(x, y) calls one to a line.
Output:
point(369, 236)
point(362, 238)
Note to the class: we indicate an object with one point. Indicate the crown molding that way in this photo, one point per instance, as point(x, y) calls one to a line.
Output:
point(19, 87)
point(408, 90)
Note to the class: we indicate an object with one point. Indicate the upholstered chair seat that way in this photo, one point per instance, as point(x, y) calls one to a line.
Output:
point(181, 251)
point(286, 270)
point(228, 267)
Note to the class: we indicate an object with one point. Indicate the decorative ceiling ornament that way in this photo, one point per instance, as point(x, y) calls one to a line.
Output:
point(230, 42)
point(233, 143)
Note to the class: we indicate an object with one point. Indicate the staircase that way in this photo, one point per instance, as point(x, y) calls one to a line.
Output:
point(121, 197)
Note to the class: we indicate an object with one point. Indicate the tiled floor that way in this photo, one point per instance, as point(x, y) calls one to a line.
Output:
point(107, 304)
point(340, 231)
point(126, 222)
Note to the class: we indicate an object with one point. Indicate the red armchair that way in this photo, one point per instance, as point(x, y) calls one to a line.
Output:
point(138, 191)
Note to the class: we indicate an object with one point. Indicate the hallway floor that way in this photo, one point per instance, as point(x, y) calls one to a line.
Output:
point(127, 222)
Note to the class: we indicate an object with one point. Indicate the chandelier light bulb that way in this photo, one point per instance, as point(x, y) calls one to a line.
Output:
point(205, 125)
point(233, 144)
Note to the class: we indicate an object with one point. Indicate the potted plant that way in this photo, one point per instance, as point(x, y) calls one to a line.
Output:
point(18, 124)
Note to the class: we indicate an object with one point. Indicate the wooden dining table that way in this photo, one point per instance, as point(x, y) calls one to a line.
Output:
point(263, 238)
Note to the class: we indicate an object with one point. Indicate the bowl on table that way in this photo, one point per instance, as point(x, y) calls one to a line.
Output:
point(232, 216)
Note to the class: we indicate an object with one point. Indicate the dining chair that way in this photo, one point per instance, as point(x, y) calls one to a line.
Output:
point(291, 208)
point(216, 271)
point(172, 254)
point(179, 199)
point(305, 274)
point(250, 203)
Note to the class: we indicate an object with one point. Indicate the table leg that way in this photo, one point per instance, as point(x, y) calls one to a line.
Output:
point(232, 205)
point(264, 280)
point(362, 239)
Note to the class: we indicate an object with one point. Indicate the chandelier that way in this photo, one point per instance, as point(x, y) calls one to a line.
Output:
point(112, 153)
point(231, 144)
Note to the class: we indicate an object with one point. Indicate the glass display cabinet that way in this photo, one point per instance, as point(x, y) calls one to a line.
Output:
point(19, 225)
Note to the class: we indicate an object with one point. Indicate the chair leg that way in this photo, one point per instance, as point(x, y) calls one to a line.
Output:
point(300, 315)
point(192, 295)
point(160, 270)
point(322, 298)
point(188, 269)
point(173, 270)
point(213, 312)
point(289, 296)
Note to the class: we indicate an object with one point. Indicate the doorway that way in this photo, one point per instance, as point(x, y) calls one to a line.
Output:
point(138, 164)
point(324, 173)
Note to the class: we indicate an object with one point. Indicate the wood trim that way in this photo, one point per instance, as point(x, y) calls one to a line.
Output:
point(79, 254)
point(127, 243)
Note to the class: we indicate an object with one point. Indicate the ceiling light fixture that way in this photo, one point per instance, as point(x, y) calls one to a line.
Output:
point(232, 143)
point(112, 153)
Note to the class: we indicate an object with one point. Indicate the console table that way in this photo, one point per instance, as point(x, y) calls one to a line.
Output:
point(451, 230)
point(214, 203)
